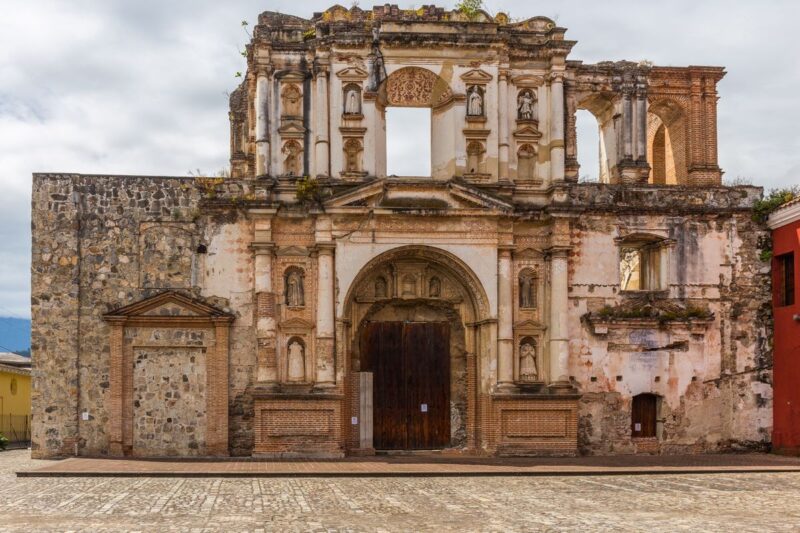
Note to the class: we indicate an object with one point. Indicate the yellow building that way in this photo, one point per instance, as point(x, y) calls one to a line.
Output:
point(15, 397)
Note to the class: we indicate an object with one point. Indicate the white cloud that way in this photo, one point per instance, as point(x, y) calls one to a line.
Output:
point(139, 87)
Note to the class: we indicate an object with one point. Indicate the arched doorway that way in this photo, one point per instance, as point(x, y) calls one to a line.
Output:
point(413, 320)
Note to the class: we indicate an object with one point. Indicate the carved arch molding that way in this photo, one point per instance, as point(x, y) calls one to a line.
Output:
point(415, 87)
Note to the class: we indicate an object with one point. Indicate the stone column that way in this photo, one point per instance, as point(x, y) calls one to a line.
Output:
point(641, 125)
point(262, 135)
point(267, 370)
point(505, 317)
point(325, 365)
point(559, 338)
point(322, 147)
point(627, 126)
point(115, 388)
point(557, 126)
point(503, 124)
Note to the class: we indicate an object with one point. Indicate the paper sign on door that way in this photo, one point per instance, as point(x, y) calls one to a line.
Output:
point(637, 426)
point(423, 407)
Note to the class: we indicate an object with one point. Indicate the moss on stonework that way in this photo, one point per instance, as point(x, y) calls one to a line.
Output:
point(662, 311)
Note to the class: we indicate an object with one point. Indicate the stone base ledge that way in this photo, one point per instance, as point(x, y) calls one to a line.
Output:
point(298, 425)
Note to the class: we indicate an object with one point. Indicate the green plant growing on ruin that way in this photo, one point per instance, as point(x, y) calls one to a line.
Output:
point(772, 201)
point(308, 190)
point(470, 8)
point(3, 442)
point(309, 34)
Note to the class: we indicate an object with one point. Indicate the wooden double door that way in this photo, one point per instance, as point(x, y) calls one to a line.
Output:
point(410, 363)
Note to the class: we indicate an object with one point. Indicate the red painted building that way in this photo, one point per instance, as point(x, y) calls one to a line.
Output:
point(785, 225)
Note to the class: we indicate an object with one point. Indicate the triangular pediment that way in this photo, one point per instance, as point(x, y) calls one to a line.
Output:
point(352, 74)
point(296, 323)
point(291, 251)
point(528, 253)
point(527, 132)
point(529, 326)
point(168, 305)
point(476, 76)
point(412, 194)
point(291, 128)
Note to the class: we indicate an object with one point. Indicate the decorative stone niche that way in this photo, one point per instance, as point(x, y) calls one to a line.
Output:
point(353, 158)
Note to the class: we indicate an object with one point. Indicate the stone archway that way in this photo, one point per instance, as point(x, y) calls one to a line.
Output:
point(422, 285)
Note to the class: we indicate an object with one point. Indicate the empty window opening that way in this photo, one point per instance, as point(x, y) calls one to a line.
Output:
point(408, 141)
point(642, 264)
point(644, 416)
point(784, 279)
point(590, 149)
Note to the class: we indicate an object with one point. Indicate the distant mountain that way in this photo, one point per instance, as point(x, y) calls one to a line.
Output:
point(15, 334)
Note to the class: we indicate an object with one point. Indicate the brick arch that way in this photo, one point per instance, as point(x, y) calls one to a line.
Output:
point(667, 146)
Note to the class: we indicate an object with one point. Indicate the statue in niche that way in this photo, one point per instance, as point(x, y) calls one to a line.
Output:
point(291, 163)
point(475, 102)
point(525, 105)
point(434, 287)
point(296, 368)
point(292, 100)
point(294, 289)
point(380, 288)
point(528, 367)
point(352, 101)
point(527, 290)
point(352, 149)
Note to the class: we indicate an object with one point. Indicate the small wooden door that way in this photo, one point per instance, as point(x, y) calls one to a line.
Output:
point(410, 362)
point(643, 415)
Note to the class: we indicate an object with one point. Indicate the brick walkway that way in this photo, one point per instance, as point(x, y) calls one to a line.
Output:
point(427, 465)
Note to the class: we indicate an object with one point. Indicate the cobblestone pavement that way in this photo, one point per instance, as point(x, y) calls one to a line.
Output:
point(700, 502)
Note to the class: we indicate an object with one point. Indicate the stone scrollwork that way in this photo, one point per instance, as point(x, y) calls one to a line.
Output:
point(416, 87)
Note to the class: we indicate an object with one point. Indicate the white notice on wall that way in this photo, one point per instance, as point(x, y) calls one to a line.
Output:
point(423, 407)
point(85, 415)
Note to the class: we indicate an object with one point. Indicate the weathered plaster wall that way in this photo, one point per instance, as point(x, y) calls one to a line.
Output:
point(714, 380)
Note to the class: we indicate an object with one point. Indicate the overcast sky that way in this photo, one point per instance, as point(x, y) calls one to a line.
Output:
point(139, 86)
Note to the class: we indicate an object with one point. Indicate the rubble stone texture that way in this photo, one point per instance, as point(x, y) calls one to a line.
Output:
point(309, 240)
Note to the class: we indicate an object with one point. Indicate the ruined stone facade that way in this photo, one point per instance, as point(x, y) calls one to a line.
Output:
point(232, 316)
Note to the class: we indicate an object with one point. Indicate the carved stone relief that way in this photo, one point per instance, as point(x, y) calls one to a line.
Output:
point(416, 87)
point(291, 101)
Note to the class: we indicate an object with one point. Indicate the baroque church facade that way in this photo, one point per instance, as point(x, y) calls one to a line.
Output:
point(310, 305)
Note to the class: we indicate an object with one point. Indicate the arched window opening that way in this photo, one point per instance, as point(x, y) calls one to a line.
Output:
point(666, 144)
